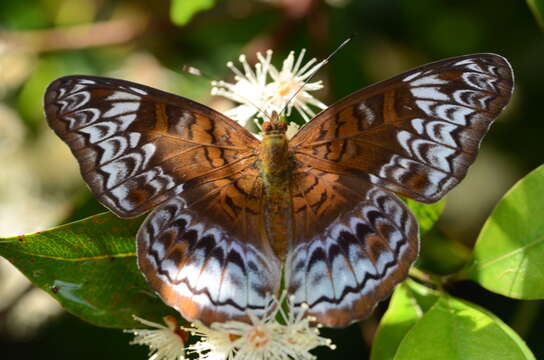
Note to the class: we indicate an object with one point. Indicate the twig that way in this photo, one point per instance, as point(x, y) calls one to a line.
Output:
point(77, 37)
point(426, 278)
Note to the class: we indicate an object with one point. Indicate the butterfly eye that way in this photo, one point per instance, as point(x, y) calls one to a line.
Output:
point(267, 127)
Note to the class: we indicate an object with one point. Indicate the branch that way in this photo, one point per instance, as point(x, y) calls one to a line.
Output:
point(77, 37)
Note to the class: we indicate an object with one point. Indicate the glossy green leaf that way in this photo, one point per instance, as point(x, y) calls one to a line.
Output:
point(408, 304)
point(457, 330)
point(537, 7)
point(427, 214)
point(89, 266)
point(181, 11)
point(509, 252)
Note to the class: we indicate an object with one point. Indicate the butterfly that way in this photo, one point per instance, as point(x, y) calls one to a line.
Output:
point(235, 219)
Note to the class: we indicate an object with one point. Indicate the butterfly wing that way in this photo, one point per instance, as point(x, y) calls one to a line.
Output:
point(138, 147)
point(415, 135)
point(204, 255)
point(353, 243)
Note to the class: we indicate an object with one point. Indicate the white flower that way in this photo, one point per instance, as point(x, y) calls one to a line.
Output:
point(215, 344)
point(264, 90)
point(289, 80)
point(165, 342)
point(263, 339)
point(299, 336)
point(292, 129)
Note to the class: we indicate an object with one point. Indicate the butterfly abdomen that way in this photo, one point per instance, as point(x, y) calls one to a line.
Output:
point(275, 167)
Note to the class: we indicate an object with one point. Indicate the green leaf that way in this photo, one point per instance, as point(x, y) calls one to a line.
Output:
point(408, 304)
point(509, 252)
point(457, 330)
point(438, 253)
point(537, 7)
point(89, 266)
point(441, 255)
point(181, 11)
point(426, 214)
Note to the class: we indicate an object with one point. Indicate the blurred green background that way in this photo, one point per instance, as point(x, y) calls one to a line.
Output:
point(149, 42)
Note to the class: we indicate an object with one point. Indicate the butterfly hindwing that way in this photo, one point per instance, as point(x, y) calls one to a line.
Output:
point(137, 146)
point(353, 243)
point(415, 134)
point(209, 268)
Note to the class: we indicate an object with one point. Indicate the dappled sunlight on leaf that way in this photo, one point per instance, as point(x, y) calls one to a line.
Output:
point(455, 329)
point(509, 252)
point(408, 304)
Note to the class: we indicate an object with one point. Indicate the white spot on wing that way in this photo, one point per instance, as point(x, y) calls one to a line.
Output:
point(417, 124)
point(119, 108)
point(82, 118)
point(74, 101)
point(369, 114)
point(432, 93)
point(463, 62)
point(403, 137)
point(450, 112)
point(133, 139)
point(441, 132)
point(480, 81)
point(455, 114)
point(411, 76)
point(122, 95)
point(428, 80)
point(137, 90)
point(100, 131)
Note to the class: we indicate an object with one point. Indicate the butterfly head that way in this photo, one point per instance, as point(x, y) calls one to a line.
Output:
point(276, 125)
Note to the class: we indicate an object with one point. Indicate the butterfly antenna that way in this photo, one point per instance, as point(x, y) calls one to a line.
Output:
point(252, 104)
point(191, 70)
point(316, 69)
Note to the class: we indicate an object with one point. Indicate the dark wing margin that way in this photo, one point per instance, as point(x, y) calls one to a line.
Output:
point(415, 134)
point(137, 146)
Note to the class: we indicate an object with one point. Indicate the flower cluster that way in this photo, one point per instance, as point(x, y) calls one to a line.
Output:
point(279, 335)
point(165, 342)
point(265, 89)
point(263, 338)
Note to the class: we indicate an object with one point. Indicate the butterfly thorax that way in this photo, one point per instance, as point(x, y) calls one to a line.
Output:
point(275, 166)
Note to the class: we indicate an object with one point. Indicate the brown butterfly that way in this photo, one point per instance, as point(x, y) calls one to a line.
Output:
point(235, 215)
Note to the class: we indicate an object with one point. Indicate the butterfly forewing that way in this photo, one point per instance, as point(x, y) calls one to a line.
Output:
point(138, 147)
point(415, 135)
